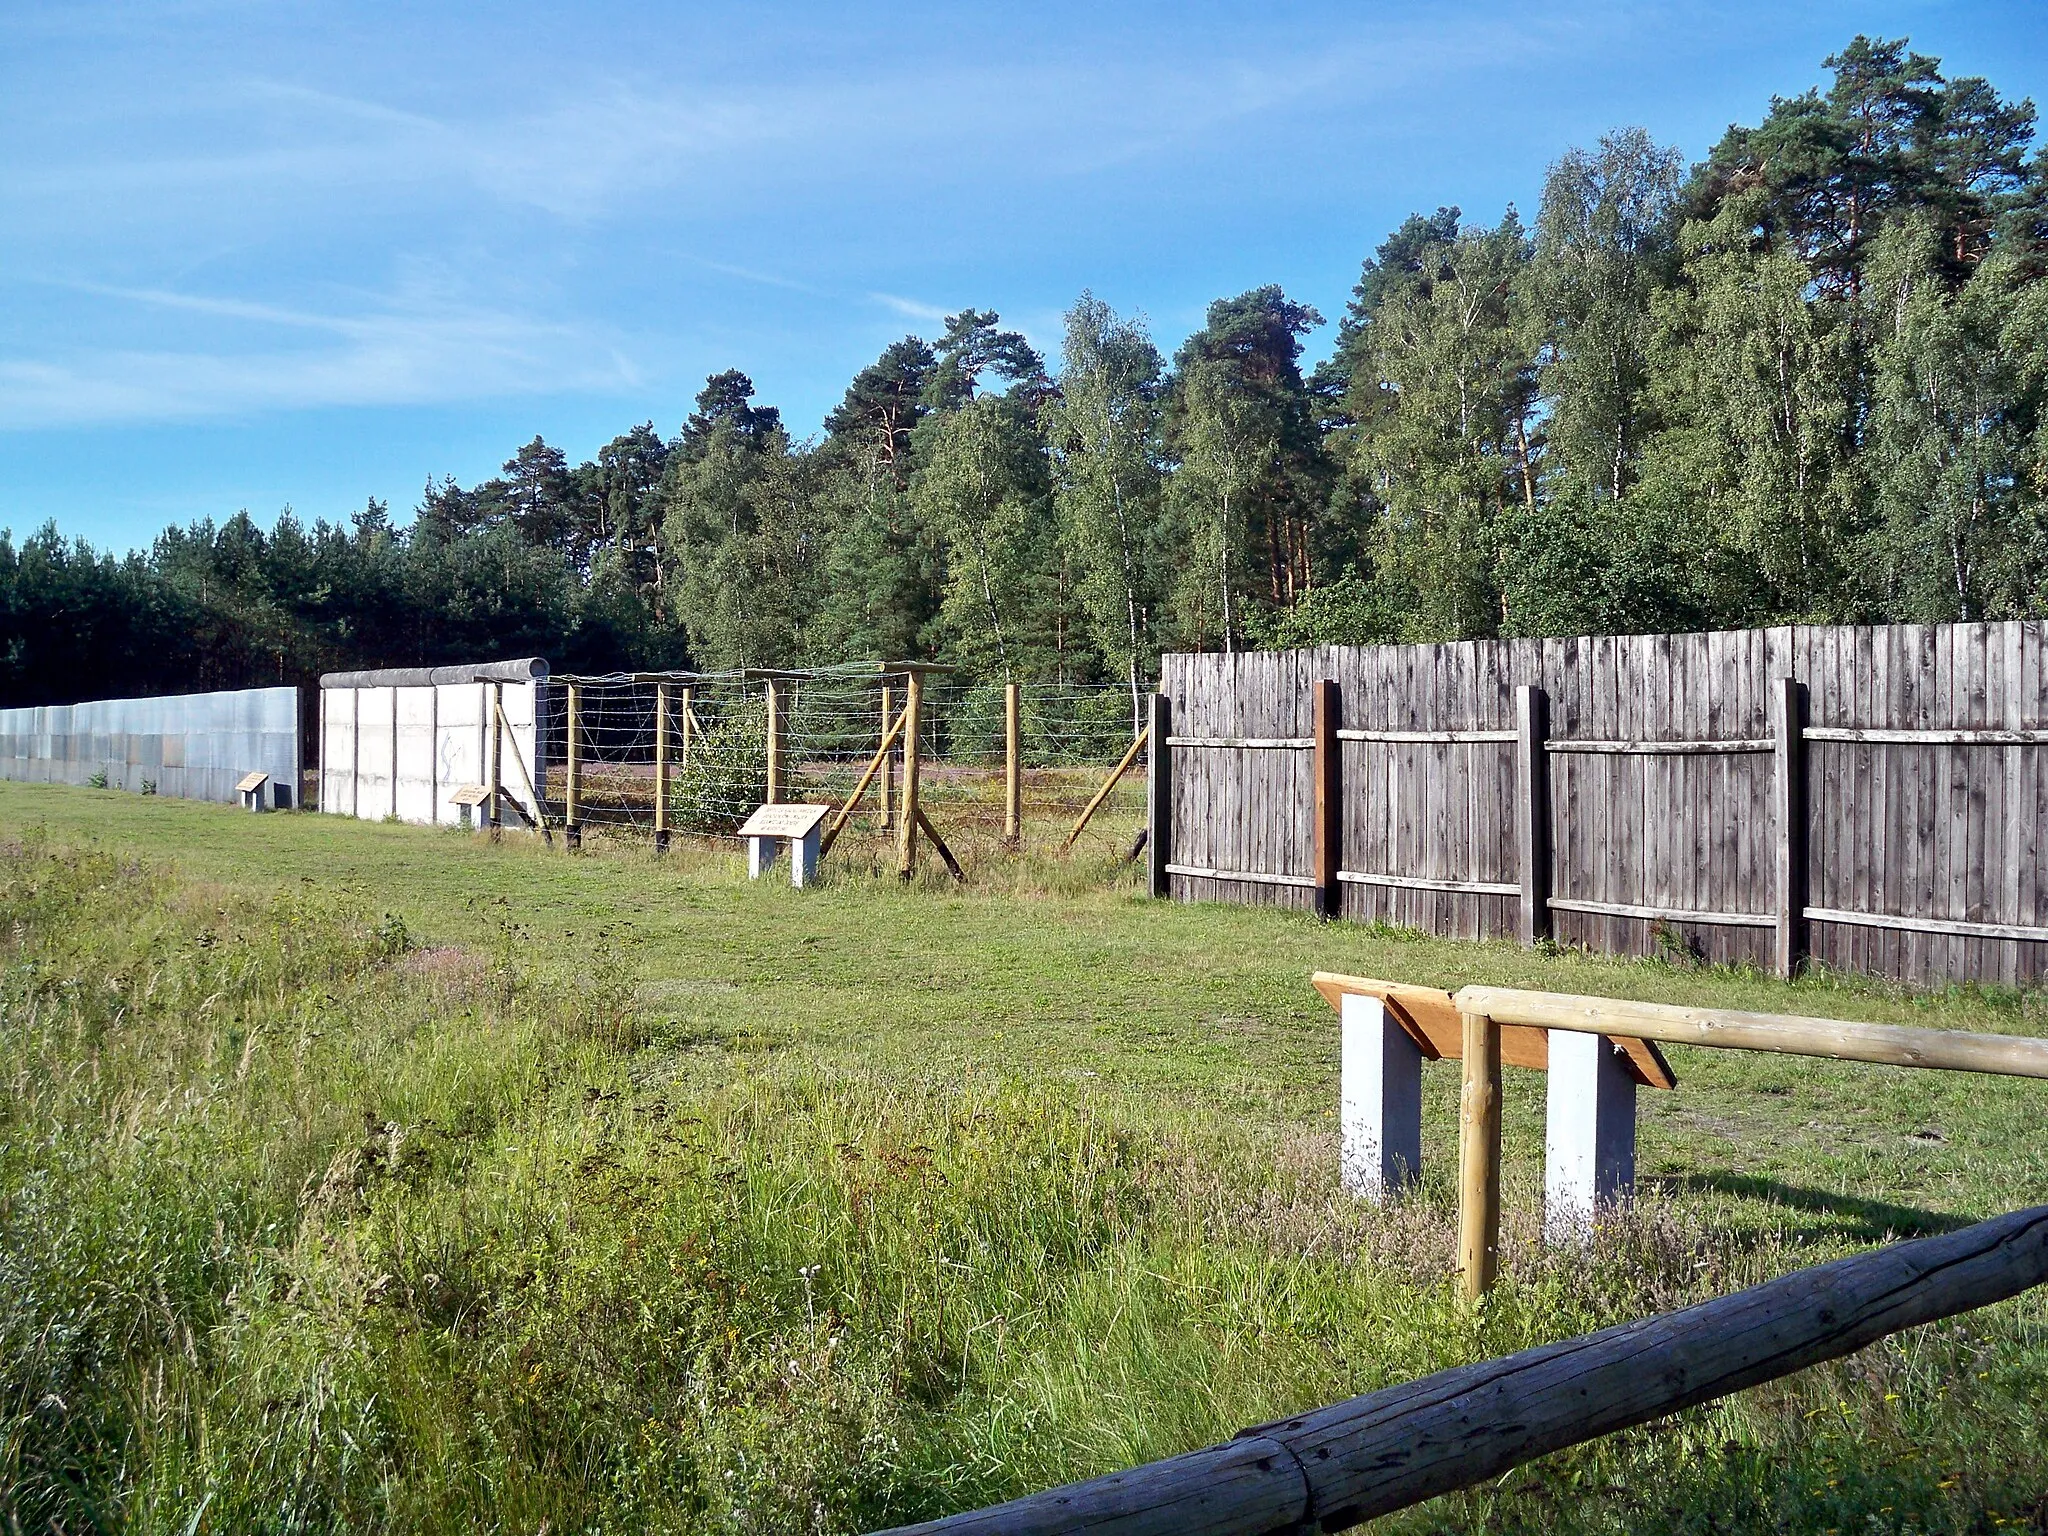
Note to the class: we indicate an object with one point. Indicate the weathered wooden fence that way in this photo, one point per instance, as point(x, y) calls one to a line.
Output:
point(1875, 797)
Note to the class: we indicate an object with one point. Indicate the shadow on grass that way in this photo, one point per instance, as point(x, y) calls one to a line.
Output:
point(1854, 1217)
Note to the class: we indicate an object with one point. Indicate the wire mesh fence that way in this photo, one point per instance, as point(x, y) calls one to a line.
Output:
point(690, 752)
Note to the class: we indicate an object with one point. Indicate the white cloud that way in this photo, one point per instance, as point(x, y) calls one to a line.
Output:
point(911, 308)
point(395, 357)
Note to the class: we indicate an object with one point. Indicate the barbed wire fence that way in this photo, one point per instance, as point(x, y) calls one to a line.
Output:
point(705, 770)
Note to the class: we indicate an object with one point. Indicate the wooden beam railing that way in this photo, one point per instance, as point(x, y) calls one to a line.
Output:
point(1393, 1449)
point(1487, 1011)
point(1893, 1045)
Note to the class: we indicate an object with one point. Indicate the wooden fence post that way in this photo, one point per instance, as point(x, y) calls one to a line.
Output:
point(572, 827)
point(777, 724)
point(906, 826)
point(1159, 798)
point(1788, 806)
point(661, 767)
point(1329, 801)
point(1479, 1157)
point(689, 720)
point(1013, 769)
point(888, 764)
point(497, 775)
point(1532, 805)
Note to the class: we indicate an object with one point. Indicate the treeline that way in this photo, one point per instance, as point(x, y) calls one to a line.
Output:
point(1803, 379)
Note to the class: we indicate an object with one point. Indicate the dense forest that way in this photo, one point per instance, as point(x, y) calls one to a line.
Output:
point(1803, 379)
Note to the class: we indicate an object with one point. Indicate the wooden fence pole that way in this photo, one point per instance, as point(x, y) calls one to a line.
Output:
point(939, 847)
point(875, 765)
point(1479, 1157)
point(497, 768)
point(661, 767)
point(1788, 808)
point(906, 825)
point(1123, 767)
point(777, 725)
point(888, 765)
point(1893, 1045)
point(1532, 810)
point(1159, 798)
point(689, 719)
point(1329, 801)
point(1013, 769)
point(572, 828)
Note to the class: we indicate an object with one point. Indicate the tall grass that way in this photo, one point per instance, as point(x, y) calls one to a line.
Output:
point(304, 1227)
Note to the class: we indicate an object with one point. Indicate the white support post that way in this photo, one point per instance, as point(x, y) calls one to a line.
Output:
point(803, 859)
point(1590, 1139)
point(762, 852)
point(1382, 1102)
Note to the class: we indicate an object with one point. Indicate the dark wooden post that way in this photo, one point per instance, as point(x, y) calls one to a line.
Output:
point(1532, 805)
point(1329, 801)
point(497, 769)
point(1159, 797)
point(1788, 807)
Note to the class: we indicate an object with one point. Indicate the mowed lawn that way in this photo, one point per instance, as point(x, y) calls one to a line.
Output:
point(371, 1177)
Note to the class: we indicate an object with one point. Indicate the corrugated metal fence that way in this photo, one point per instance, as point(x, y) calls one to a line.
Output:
point(196, 746)
point(1636, 792)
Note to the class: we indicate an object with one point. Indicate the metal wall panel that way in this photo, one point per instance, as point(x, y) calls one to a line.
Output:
point(192, 746)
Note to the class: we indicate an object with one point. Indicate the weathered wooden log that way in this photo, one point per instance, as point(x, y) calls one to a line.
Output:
point(1392, 1449)
point(1837, 1039)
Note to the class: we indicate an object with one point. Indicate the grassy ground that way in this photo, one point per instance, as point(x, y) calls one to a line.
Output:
point(368, 1177)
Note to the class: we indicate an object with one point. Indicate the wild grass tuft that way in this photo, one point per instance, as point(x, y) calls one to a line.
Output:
point(308, 1223)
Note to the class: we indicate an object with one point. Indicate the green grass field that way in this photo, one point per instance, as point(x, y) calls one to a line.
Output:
point(374, 1178)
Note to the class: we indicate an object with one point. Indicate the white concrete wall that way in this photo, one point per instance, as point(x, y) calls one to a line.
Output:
point(404, 752)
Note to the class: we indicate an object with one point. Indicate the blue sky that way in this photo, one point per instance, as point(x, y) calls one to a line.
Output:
point(258, 254)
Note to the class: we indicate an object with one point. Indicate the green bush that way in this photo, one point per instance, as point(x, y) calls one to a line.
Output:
point(727, 775)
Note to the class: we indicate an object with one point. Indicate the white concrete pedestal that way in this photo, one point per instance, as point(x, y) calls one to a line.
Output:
point(763, 852)
point(1590, 1135)
point(803, 859)
point(1381, 1110)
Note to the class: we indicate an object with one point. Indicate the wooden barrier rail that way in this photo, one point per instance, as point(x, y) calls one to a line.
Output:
point(1486, 1011)
point(1891, 1045)
point(1392, 1449)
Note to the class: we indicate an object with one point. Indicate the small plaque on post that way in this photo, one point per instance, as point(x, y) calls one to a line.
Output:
point(466, 800)
point(784, 820)
point(773, 825)
point(250, 789)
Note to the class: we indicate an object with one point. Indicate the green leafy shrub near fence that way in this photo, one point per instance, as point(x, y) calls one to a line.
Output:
point(727, 774)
